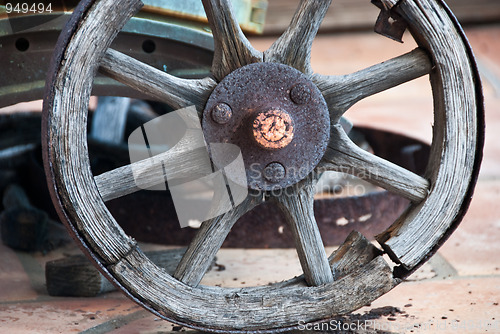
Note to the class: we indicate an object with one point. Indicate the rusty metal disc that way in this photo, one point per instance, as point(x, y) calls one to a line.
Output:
point(277, 117)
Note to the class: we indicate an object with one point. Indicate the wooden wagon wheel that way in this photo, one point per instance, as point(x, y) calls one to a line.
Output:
point(354, 275)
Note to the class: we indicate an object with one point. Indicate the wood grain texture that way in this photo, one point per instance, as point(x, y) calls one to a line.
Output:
point(342, 155)
point(355, 252)
point(179, 162)
point(66, 150)
point(293, 47)
point(453, 150)
point(343, 91)
point(232, 50)
point(176, 92)
point(269, 307)
point(208, 241)
point(297, 207)
point(251, 308)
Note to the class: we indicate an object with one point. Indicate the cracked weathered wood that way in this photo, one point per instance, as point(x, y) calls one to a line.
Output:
point(343, 91)
point(342, 155)
point(260, 308)
point(293, 47)
point(252, 308)
point(355, 252)
point(176, 92)
point(232, 50)
point(208, 241)
point(66, 113)
point(454, 144)
point(297, 208)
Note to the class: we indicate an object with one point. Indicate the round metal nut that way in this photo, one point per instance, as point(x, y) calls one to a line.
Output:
point(222, 113)
point(273, 129)
point(274, 172)
point(300, 94)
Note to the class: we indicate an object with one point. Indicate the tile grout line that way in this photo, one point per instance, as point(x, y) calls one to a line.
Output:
point(441, 279)
point(442, 267)
point(116, 323)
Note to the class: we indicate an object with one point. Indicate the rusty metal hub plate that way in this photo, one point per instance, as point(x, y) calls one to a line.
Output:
point(276, 116)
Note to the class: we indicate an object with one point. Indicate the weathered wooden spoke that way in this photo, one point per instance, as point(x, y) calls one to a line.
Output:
point(232, 49)
point(179, 162)
point(343, 155)
point(360, 274)
point(298, 209)
point(342, 91)
point(293, 47)
point(176, 92)
point(208, 241)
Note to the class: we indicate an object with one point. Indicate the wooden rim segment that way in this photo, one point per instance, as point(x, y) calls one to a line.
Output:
point(452, 163)
point(354, 275)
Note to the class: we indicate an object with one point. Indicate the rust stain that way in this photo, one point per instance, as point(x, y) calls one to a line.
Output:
point(273, 129)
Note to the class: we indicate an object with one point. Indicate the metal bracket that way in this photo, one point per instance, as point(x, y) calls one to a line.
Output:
point(389, 23)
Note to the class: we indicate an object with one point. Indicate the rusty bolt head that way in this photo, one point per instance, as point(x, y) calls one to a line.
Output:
point(300, 94)
point(273, 129)
point(274, 172)
point(221, 113)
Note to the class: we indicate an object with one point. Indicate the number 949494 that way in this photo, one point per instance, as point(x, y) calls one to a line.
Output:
point(28, 8)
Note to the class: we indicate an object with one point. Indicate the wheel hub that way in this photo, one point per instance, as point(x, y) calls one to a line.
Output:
point(276, 116)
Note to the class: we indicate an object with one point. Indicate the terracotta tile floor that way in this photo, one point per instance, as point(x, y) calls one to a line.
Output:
point(458, 290)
